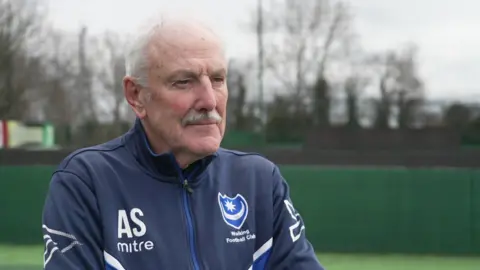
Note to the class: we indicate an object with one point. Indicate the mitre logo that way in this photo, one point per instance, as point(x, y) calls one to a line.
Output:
point(131, 227)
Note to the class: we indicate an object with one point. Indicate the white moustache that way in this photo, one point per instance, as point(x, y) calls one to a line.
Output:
point(194, 117)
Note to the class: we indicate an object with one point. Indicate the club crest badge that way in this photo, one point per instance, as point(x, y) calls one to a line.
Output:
point(234, 210)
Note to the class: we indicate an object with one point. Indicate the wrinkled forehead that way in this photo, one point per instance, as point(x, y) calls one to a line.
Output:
point(185, 45)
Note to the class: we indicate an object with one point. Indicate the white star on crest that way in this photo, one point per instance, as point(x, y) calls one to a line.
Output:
point(230, 206)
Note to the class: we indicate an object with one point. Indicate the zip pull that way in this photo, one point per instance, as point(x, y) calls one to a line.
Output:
point(187, 187)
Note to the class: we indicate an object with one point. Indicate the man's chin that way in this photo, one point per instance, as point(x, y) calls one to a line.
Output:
point(204, 146)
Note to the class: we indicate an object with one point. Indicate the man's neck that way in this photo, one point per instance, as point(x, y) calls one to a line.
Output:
point(184, 160)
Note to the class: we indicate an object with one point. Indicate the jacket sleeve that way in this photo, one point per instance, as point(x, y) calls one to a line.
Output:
point(290, 247)
point(72, 238)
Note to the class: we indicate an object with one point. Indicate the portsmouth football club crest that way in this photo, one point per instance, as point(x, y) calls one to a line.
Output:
point(234, 210)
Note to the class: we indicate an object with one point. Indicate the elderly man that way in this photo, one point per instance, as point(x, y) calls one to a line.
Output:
point(165, 195)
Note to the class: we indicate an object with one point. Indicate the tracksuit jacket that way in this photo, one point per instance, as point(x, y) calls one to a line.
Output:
point(120, 206)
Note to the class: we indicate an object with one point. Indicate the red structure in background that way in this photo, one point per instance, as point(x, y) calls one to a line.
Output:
point(3, 134)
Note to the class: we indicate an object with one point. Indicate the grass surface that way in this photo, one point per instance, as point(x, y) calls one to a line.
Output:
point(397, 262)
point(30, 258)
point(18, 255)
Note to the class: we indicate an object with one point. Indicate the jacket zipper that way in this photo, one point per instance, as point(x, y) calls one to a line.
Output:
point(191, 233)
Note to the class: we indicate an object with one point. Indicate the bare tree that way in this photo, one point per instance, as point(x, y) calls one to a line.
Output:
point(321, 101)
point(237, 100)
point(261, 52)
point(354, 79)
point(409, 89)
point(19, 23)
point(401, 88)
point(114, 72)
point(60, 95)
point(352, 91)
point(85, 87)
point(301, 37)
point(110, 75)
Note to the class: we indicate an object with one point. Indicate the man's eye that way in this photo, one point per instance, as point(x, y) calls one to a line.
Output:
point(182, 82)
point(219, 79)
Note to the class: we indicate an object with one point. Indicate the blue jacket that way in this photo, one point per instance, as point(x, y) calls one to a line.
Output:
point(120, 206)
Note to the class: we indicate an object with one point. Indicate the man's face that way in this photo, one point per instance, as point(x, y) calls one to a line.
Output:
point(185, 101)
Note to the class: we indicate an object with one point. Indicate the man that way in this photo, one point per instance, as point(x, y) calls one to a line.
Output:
point(165, 195)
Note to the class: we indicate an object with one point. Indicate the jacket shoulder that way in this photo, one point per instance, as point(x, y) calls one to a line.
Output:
point(235, 154)
point(246, 159)
point(80, 161)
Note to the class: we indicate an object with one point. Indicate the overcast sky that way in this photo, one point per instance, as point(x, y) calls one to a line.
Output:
point(446, 31)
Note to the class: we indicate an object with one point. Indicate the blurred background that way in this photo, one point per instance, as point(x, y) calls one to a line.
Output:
point(371, 109)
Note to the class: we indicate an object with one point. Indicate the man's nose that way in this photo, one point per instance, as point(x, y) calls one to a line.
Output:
point(206, 99)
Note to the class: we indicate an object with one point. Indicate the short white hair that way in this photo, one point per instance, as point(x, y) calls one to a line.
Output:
point(136, 57)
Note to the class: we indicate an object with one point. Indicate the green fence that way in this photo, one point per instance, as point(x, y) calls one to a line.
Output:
point(22, 193)
point(390, 210)
point(345, 210)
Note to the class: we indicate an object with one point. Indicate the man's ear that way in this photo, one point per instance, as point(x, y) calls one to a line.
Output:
point(132, 95)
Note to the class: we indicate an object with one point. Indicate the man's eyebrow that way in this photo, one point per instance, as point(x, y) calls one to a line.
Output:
point(190, 73)
point(182, 73)
point(220, 71)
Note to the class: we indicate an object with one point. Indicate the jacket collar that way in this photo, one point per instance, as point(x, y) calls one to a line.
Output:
point(162, 166)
